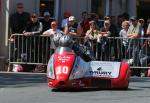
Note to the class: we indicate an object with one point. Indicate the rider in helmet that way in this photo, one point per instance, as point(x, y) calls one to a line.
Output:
point(79, 49)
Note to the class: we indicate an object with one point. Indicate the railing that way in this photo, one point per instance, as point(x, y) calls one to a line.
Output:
point(37, 50)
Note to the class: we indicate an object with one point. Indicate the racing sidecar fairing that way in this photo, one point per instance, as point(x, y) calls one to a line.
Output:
point(67, 70)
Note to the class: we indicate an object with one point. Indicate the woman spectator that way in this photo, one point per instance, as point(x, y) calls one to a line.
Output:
point(91, 34)
point(91, 37)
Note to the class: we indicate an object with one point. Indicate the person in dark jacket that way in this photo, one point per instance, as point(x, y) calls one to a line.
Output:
point(19, 19)
point(17, 23)
point(46, 21)
point(33, 27)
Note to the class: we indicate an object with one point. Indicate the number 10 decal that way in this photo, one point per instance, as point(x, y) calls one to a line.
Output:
point(60, 70)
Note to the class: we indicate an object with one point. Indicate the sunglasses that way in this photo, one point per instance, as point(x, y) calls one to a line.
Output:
point(19, 7)
point(33, 16)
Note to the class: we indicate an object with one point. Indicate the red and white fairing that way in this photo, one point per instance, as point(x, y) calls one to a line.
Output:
point(66, 70)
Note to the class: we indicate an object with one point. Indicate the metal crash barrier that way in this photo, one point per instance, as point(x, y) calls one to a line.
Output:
point(37, 50)
point(29, 50)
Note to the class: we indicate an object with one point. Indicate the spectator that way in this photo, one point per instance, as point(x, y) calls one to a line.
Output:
point(33, 27)
point(124, 41)
point(64, 22)
point(145, 54)
point(91, 37)
point(46, 21)
point(103, 49)
point(17, 22)
point(134, 32)
point(142, 22)
point(84, 23)
point(72, 28)
point(52, 32)
point(19, 19)
point(91, 34)
point(144, 57)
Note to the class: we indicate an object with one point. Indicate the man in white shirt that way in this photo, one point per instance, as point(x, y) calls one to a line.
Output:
point(55, 35)
point(53, 30)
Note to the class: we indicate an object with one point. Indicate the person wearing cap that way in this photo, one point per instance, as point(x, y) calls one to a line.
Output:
point(54, 29)
point(46, 21)
point(17, 23)
point(65, 21)
point(134, 30)
point(133, 33)
point(32, 30)
point(72, 27)
point(53, 32)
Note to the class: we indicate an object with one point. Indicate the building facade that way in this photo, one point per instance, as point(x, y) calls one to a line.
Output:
point(76, 7)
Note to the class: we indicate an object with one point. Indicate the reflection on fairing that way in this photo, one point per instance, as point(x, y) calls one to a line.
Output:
point(50, 68)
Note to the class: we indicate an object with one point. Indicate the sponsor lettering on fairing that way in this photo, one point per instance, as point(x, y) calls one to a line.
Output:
point(101, 72)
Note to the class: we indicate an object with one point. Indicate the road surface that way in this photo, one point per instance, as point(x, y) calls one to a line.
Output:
point(32, 88)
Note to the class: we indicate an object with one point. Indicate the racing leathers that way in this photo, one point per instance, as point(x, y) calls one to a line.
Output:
point(79, 49)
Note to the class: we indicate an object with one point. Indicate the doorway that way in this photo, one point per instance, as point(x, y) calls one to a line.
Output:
point(47, 5)
point(143, 10)
point(97, 7)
